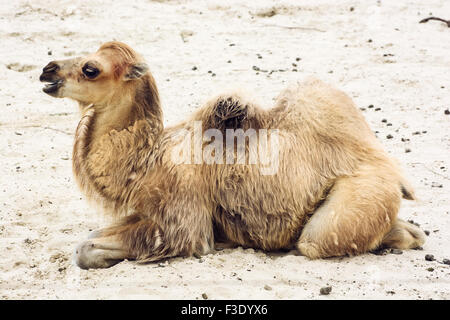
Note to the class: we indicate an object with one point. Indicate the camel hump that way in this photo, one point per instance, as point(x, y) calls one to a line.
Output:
point(228, 111)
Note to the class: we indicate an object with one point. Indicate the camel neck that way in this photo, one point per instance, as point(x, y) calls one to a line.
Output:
point(106, 160)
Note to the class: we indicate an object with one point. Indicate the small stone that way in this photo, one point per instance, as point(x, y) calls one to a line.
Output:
point(351, 8)
point(436, 185)
point(407, 150)
point(49, 52)
point(205, 296)
point(255, 68)
point(447, 112)
point(397, 251)
point(389, 136)
point(194, 68)
point(384, 120)
point(325, 291)
point(390, 292)
point(446, 261)
point(427, 232)
point(370, 106)
point(377, 109)
point(430, 269)
point(429, 257)
point(267, 287)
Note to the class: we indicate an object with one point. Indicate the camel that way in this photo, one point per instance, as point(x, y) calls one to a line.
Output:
point(335, 191)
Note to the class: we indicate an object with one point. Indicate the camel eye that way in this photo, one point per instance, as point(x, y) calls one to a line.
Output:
point(90, 71)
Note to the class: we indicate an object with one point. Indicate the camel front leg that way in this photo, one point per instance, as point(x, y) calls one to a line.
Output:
point(100, 253)
point(145, 239)
point(135, 237)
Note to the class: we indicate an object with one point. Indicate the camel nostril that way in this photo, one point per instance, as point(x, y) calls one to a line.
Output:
point(51, 67)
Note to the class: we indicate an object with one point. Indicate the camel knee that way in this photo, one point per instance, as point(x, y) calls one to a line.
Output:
point(310, 249)
point(333, 244)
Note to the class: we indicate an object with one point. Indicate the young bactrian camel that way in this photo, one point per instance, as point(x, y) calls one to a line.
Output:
point(335, 191)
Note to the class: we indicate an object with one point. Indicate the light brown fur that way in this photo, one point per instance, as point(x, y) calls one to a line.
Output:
point(336, 191)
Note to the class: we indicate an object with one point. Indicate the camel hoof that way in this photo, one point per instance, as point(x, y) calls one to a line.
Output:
point(87, 256)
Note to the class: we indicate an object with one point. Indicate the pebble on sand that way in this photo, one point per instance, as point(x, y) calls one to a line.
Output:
point(429, 257)
point(325, 290)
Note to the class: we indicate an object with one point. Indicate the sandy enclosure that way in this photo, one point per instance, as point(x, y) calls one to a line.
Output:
point(396, 70)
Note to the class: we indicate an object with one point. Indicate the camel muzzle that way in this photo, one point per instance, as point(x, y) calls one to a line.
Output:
point(52, 87)
point(49, 75)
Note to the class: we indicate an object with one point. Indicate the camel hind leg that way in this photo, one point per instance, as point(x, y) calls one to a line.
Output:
point(359, 212)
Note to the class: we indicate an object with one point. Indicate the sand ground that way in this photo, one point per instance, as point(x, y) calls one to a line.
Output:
point(377, 52)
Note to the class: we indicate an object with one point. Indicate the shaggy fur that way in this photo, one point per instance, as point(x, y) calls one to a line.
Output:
point(336, 191)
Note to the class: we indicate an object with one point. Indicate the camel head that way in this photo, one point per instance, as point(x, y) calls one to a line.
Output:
point(96, 78)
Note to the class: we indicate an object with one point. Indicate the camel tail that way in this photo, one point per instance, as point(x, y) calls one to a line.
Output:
point(407, 192)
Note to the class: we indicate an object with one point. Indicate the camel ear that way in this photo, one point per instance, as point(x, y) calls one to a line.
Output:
point(136, 71)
